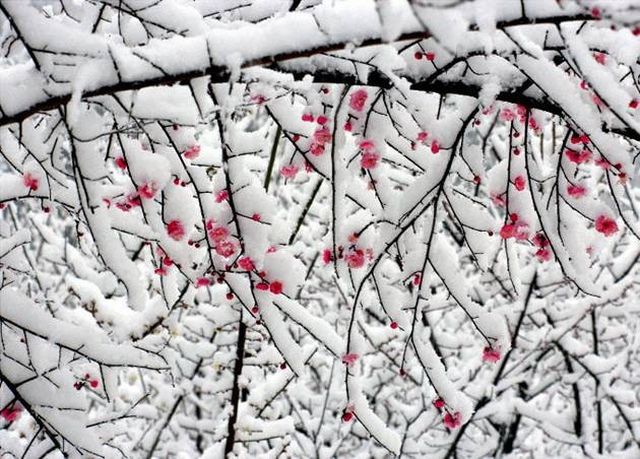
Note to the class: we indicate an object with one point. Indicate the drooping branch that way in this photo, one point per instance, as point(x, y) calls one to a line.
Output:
point(222, 74)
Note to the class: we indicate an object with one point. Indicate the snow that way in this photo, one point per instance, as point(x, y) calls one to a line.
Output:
point(167, 289)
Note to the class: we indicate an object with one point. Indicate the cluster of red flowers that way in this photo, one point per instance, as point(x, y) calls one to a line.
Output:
point(11, 413)
point(165, 262)
point(289, 171)
point(515, 229)
point(369, 157)
point(606, 225)
point(87, 380)
point(192, 152)
point(223, 244)
point(543, 253)
point(491, 354)
point(321, 137)
point(30, 181)
point(175, 230)
point(429, 55)
point(274, 287)
point(576, 191)
point(350, 359)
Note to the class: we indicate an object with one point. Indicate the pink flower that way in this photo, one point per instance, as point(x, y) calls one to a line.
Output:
point(506, 114)
point(132, 200)
point(498, 200)
point(275, 287)
point(507, 231)
point(514, 230)
point(355, 258)
point(452, 421)
point(93, 383)
point(369, 160)
point(601, 58)
point(435, 147)
point(308, 117)
point(348, 126)
point(540, 240)
point(147, 190)
point(490, 354)
point(322, 136)
point(634, 103)
point(262, 286)
point(222, 195)
point(439, 403)
point(350, 359)
point(422, 136)
point(256, 217)
point(30, 181)
point(317, 149)
point(606, 225)
point(522, 232)
point(487, 110)
point(543, 255)
point(578, 157)
point(327, 256)
point(417, 279)
point(121, 163)
point(10, 414)
point(358, 99)
point(533, 124)
point(393, 325)
point(576, 191)
point(289, 171)
point(175, 229)
point(225, 248)
point(246, 263)
point(367, 145)
point(258, 99)
point(622, 178)
point(322, 119)
point(192, 152)
point(218, 233)
point(203, 282)
point(430, 55)
point(597, 100)
point(417, 55)
point(347, 416)
point(519, 183)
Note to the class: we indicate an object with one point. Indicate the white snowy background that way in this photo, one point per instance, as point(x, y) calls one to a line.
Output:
point(319, 228)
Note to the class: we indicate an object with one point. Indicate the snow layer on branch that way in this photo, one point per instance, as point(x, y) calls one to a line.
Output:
point(90, 343)
point(372, 422)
